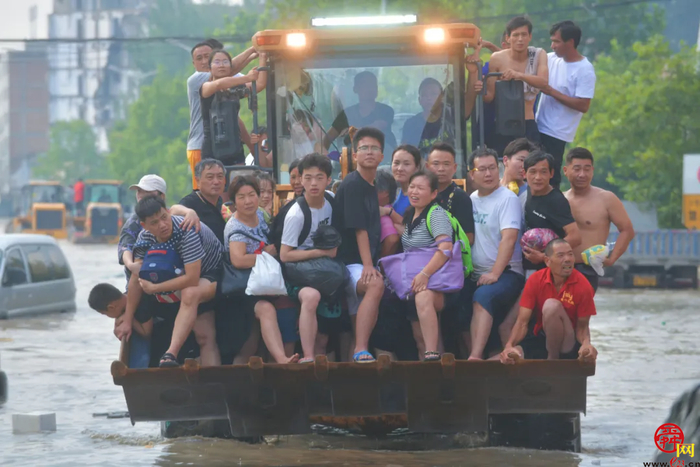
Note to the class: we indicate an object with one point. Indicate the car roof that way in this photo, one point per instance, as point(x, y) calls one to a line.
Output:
point(25, 239)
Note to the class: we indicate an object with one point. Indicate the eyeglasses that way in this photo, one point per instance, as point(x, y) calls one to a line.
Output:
point(369, 148)
point(491, 168)
point(221, 62)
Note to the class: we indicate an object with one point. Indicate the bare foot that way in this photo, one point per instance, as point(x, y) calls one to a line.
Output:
point(515, 356)
point(293, 359)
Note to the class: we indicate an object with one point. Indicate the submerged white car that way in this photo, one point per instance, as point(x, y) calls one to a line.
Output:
point(35, 276)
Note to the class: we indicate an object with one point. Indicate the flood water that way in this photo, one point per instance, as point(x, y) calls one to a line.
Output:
point(648, 356)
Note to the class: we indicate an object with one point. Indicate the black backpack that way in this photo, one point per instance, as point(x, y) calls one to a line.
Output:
point(278, 222)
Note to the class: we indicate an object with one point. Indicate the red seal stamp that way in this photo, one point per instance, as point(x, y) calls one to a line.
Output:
point(668, 434)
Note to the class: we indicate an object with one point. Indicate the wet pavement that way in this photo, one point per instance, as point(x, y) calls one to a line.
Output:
point(60, 363)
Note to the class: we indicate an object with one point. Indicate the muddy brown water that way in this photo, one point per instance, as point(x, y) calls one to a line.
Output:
point(647, 341)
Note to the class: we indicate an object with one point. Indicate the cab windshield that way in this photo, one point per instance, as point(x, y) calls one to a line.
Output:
point(410, 98)
point(103, 194)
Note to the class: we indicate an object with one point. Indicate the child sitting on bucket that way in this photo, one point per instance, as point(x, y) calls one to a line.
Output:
point(107, 300)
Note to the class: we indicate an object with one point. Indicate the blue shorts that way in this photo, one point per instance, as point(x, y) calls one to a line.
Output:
point(497, 298)
point(288, 321)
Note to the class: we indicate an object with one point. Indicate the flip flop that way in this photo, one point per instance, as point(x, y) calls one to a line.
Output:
point(168, 360)
point(306, 360)
point(363, 356)
point(431, 356)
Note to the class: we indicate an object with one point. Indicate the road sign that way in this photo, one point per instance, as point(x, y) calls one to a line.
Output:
point(691, 174)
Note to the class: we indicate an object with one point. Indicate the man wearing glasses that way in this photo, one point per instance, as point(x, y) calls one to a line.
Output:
point(498, 277)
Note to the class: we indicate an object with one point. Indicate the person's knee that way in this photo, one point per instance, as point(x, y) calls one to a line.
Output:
point(375, 287)
point(190, 296)
point(551, 308)
point(205, 330)
point(309, 296)
point(264, 309)
point(424, 302)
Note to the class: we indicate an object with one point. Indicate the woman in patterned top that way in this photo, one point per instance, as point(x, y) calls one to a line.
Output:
point(246, 236)
point(422, 191)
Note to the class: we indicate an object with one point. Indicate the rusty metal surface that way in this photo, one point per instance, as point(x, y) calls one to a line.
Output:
point(266, 398)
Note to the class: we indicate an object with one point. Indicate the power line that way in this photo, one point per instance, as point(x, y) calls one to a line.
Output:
point(231, 39)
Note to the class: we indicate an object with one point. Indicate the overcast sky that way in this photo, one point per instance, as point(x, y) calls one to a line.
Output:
point(14, 20)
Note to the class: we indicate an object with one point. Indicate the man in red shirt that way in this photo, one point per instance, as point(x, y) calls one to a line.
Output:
point(79, 196)
point(562, 299)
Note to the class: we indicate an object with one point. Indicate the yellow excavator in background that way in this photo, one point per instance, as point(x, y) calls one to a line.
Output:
point(40, 209)
point(103, 216)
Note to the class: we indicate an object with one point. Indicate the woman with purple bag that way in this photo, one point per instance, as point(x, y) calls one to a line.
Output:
point(426, 225)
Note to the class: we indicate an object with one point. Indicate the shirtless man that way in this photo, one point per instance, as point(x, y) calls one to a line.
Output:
point(523, 63)
point(594, 209)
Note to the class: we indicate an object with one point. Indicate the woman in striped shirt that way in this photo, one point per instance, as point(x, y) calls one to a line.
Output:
point(422, 191)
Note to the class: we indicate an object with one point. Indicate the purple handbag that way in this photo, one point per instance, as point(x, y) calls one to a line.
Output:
point(400, 269)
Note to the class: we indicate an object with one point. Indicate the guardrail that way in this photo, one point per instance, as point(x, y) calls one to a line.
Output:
point(662, 247)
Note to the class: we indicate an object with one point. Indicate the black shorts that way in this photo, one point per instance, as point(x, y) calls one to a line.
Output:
point(535, 348)
point(451, 300)
point(214, 276)
point(590, 274)
point(150, 308)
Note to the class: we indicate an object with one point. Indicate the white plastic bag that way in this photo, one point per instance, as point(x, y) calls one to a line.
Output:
point(595, 256)
point(266, 277)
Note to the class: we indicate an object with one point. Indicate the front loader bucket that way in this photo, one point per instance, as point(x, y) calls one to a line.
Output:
point(448, 396)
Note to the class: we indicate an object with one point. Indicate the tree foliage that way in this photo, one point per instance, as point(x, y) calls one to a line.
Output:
point(72, 154)
point(643, 119)
point(153, 139)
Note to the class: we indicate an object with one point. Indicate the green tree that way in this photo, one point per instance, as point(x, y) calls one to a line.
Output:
point(72, 154)
point(643, 119)
point(153, 139)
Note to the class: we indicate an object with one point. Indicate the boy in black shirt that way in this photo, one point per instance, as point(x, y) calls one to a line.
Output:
point(546, 207)
point(356, 215)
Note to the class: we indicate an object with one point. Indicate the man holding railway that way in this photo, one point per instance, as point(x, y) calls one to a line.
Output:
point(562, 300)
point(594, 210)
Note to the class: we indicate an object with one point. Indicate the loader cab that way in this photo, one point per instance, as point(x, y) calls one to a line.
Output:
point(104, 216)
point(40, 208)
point(324, 79)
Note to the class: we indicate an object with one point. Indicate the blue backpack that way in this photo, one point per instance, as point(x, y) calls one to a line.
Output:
point(161, 264)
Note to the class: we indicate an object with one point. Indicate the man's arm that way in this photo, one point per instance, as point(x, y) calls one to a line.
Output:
point(133, 297)
point(505, 253)
point(573, 236)
point(261, 77)
point(618, 216)
point(494, 67)
point(516, 335)
point(241, 60)
point(190, 217)
point(539, 80)
point(290, 254)
point(580, 104)
point(368, 269)
point(587, 352)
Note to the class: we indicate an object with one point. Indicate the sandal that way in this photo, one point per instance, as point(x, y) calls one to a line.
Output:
point(363, 356)
point(431, 356)
point(168, 360)
point(306, 360)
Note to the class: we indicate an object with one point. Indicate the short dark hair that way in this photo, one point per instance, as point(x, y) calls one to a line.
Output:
point(579, 153)
point(432, 178)
point(239, 182)
point(149, 206)
point(201, 44)
point(412, 150)
point(368, 132)
point(568, 30)
point(518, 145)
point(384, 181)
point(549, 249)
point(205, 164)
point(518, 22)
point(262, 129)
point(219, 51)
point(440, 146)
point(429, 82)
point(315, 160)
point(364, 74)
point(264, 176)
point(102, 295)
point(294, 164)
point(214, 44)
point(504, 36)
point(537, 156)
point(480, 153)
